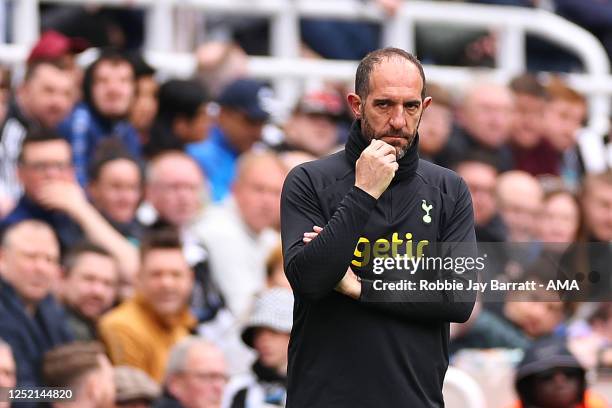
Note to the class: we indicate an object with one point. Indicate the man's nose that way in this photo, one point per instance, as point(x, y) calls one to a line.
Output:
point(398, 117)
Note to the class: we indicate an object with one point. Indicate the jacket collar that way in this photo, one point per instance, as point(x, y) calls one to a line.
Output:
point(357, 143)
point(182, 319)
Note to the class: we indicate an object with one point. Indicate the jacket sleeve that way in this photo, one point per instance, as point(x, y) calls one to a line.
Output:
point(457, 239)
point(76, 130)
point(314, 270)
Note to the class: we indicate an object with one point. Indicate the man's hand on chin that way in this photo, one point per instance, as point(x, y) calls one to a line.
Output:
point(350, 285)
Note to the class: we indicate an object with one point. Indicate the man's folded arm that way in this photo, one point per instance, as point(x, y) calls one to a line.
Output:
point(314, 270)
point(457, 240)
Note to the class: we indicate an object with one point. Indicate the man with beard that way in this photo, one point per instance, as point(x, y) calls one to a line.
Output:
point(353, 343)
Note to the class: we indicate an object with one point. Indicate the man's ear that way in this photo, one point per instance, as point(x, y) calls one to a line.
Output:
point(354, 102)
point(174, 386)
point(426, 102)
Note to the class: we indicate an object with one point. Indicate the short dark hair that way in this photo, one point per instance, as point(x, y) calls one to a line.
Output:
point(75, 252)
point(35, 65)
point(111, 55)
point(162, 238)
point(475, 156)
point(528, 84)
point(65, 365)
point(367, 64)
point(141, 66)
point(107, 151)
point(38, 134)
point(181, 97)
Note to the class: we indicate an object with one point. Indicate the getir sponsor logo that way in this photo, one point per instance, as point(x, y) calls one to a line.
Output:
point(365, 250)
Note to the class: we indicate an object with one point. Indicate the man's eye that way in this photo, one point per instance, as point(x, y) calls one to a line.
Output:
point(382, 104)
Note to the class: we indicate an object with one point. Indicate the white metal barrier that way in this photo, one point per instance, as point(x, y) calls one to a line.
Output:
point(287, 69)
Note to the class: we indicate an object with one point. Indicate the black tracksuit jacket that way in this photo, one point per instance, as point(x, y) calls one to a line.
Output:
point(368, 353)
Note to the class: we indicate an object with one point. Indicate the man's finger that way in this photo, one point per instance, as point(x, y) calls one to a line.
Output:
point(317, 229)
point(389, 158)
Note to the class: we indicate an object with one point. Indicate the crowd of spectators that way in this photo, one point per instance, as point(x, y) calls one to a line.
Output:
point(140, 260)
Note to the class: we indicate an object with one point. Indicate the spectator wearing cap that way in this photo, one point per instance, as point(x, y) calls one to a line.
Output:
point(240, 121)
point(313, 126)
point(31, 320)
point(135, 389)
point(43, 100)
point(141, 331)
point(181, 119)
point(83, 368)
point(58, 48)
point(267, 331)
point(196, 376)
point(108, 91)
point(550, 376)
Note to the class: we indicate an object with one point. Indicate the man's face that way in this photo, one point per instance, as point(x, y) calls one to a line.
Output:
point(176, 190)
point(44, 162)
point(194, 129)
point(520, 205)
point(487, 115)
point(528, 125)
point(559, 219)
point(557, 388)
point(113, 88)
point(597, 205)
point(48, 96)
point(202, 382)
point(536, 318)
point(144, 108)
point(392, 110)
point(102, 389)
point(30, 262)
point(91, 285)
point(435, 128)
point(117, 190)
point(241, 131)
point(562, 120)
point(257, 194)
point(480, 179)
point(166, 281)
point(314, 133)
point(8, 370)
point(271, 347)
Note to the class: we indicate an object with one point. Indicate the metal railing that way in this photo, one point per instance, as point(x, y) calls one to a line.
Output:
point(286, 69)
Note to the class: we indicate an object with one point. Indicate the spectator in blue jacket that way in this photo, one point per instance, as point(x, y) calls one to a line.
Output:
point(108, 93)
point(239, 126)
point(31, 320)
